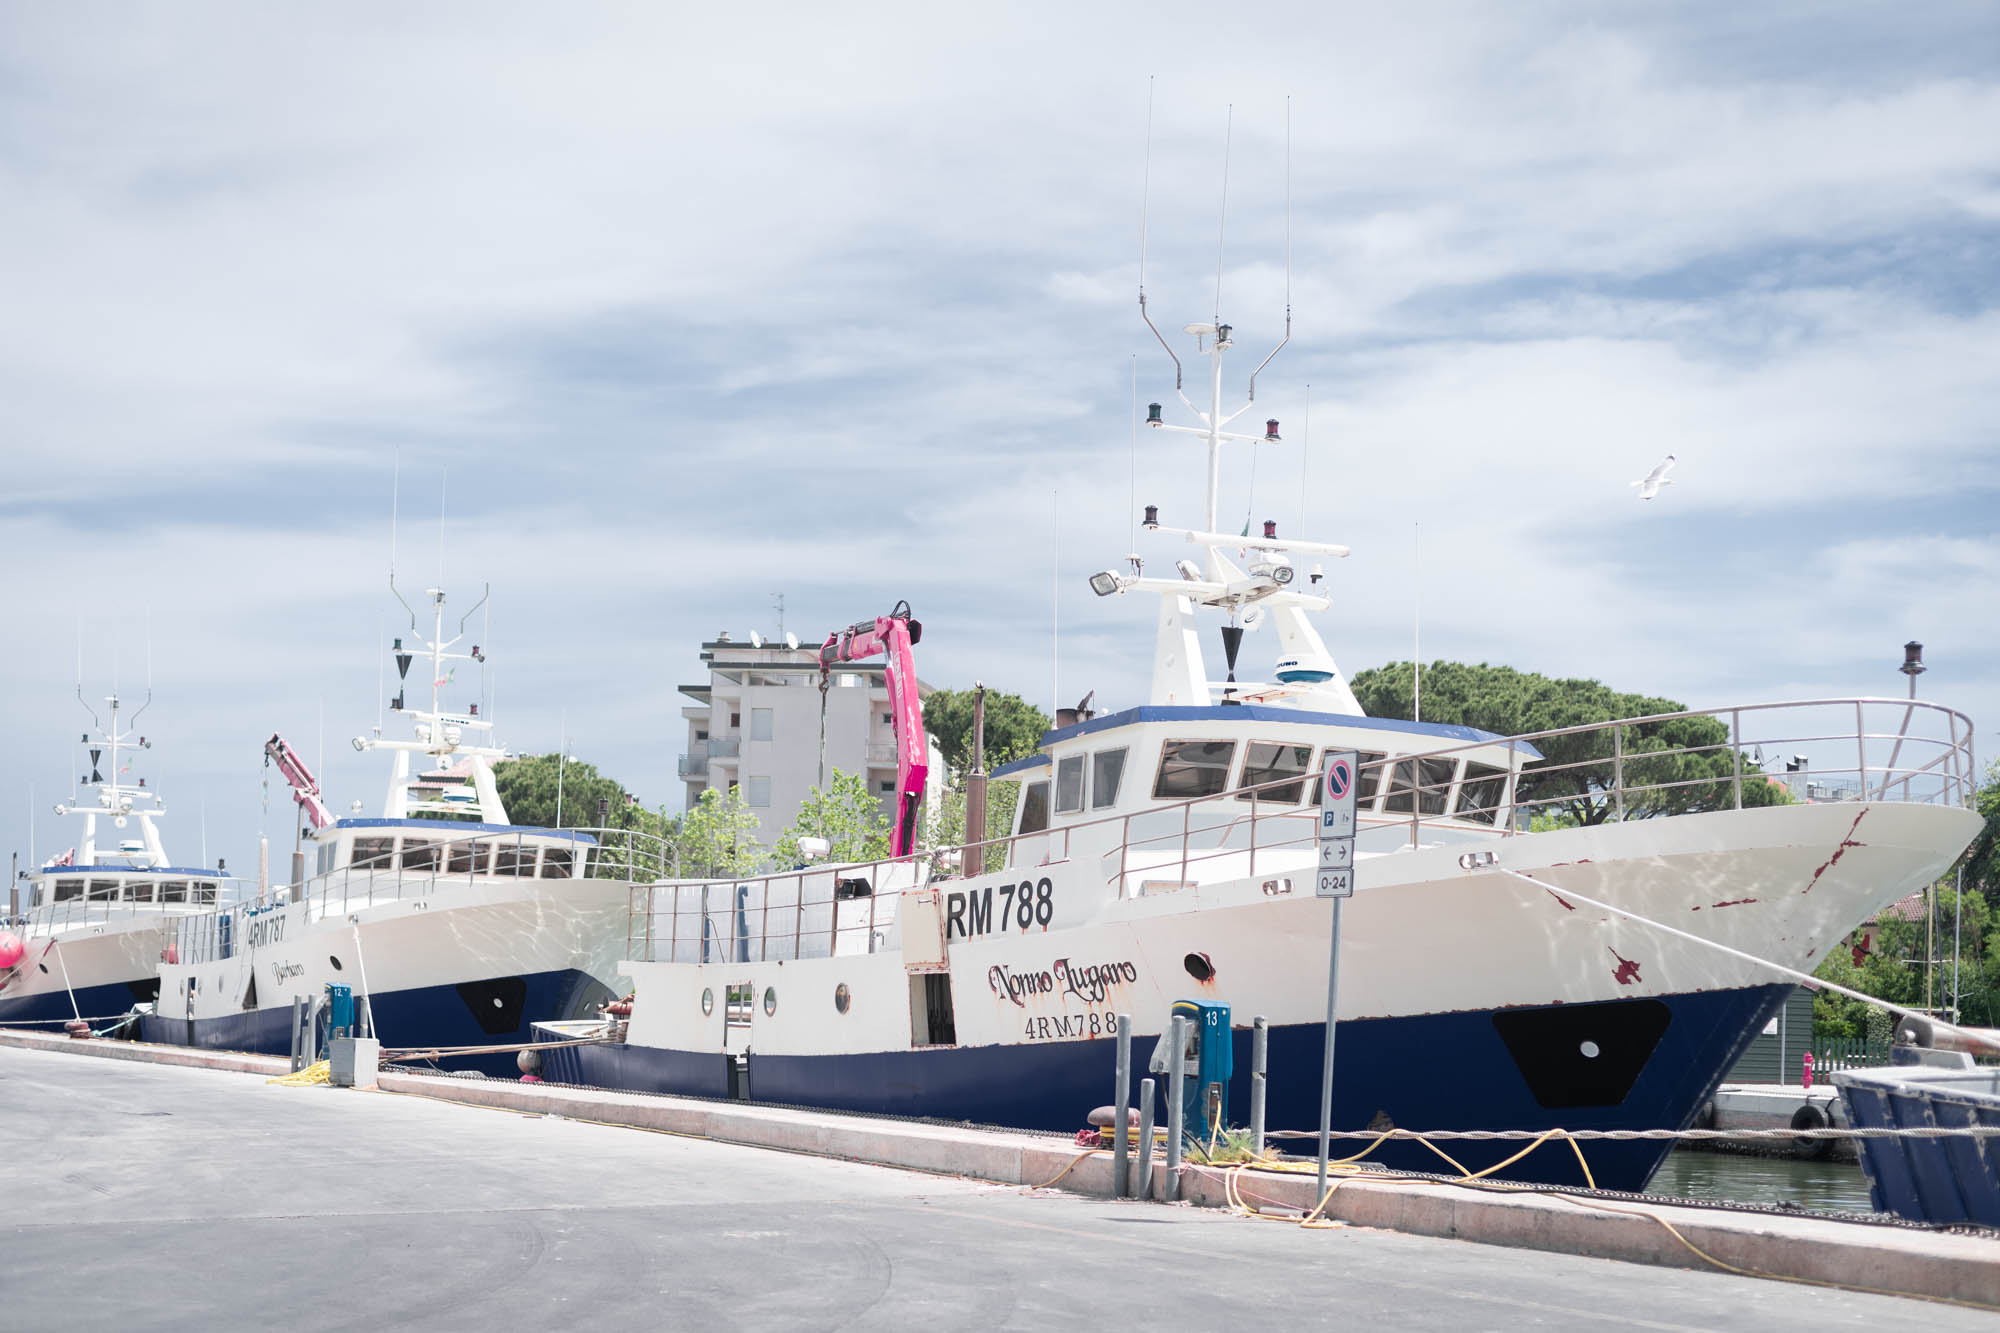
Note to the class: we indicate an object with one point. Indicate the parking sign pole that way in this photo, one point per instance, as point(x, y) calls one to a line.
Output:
point(1335, 880)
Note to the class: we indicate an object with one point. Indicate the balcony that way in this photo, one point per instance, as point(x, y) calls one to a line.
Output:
point(882, 754)
point(727, 747)
point(693, 765)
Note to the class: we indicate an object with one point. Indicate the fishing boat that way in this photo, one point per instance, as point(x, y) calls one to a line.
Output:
point(1563, 929)
point(450, 925)
point(1941, 1169)
point(87, 929)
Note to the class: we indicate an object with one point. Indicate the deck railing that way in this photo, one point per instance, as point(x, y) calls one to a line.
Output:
point(1657, 766)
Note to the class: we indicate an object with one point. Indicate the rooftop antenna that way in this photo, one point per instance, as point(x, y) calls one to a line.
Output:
point(1222, 216)
point(1132, 474)
point(1055, 600)
point(1417, 651)
point(442, 474)
point(1305, 448)
point(395, 499)
point(778, 601)
point(381, 675)
point(79, 678)
point(149, 669)
point(1145, 207)
point(1288, 273)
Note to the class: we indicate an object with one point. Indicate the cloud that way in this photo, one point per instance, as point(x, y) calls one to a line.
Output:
point(690, 310)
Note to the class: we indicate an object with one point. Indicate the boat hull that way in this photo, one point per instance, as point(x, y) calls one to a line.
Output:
point(108, 967)
point(1662, 1058)
point(440, 964)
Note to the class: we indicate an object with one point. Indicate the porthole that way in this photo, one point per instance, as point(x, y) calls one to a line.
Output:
point(1590, 1050)
point(335, 961)
point(842, 997)
point(707, 1002)
point(1199, 967)
point(770, 1000)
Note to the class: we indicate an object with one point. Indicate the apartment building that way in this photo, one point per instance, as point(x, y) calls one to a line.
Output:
point(755, 724)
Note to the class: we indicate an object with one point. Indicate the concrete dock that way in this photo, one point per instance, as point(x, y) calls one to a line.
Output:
point(148, 1196)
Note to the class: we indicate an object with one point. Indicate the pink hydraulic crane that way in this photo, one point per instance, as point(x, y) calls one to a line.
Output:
point(305, 787)
point(892, 636)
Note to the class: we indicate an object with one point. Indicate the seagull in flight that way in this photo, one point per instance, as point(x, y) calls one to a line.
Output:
point(1649, 485)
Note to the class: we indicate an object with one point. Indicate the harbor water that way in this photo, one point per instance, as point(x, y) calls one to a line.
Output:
point(1823, 1187)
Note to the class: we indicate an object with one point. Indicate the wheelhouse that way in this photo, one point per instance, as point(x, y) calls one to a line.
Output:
point(68, 888)
point(1233, 761)
point(452, 847)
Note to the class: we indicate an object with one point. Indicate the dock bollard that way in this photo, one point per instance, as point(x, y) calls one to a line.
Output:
point(1121, 1103)
point(1260, 1051)
point(1144, 1189)
point(1176, 1113)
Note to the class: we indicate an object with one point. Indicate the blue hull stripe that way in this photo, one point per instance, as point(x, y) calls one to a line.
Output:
point(425, 1016)
point(1439, 1071)
point(53, 1006)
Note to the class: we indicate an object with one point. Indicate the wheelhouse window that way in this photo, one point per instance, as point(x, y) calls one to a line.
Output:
point(419, 855)
point(1107, 769)
point(103, 890)
point(1034, 808)
point(67, 889)
point(1193, 768)
point(203, 894)
point(469, 858)
point(1480, 793)
point(1069, 784)
point(1269, 761)
point(141, 893)
point(174, 891)
point(512, 859)
point(556, 862)
point(374, 853)
point(1427, 782)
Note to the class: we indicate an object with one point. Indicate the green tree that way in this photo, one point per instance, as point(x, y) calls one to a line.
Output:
point(718, 836)
point(1676, 766)
point(846, 814)
point(542, 791)
point(1014, 727)
point(950, 828)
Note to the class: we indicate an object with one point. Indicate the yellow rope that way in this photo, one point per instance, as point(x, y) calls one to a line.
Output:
point(311, 1074)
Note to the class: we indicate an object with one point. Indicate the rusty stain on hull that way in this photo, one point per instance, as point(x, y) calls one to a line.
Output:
point(1627, 971)
point(1838, 852)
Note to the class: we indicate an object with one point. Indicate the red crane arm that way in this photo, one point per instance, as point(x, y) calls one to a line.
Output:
point(305, 787)
point(892, 636)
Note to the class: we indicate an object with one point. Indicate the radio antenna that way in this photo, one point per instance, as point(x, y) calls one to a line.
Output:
point(1132, 473)
point(1145, 206)
point(1222, 217)
point(395, 499)
point(1288, 256)
point(149, 666)
point(1305, 448)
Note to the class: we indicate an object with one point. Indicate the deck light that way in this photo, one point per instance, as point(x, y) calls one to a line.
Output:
point(1153, 415)
point(1104, 583)
point(1189, 570)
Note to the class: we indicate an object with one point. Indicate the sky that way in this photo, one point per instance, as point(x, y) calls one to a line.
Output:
point(670, 311)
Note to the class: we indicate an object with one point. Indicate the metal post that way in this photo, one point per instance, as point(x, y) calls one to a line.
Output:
point(1176, 1112)
point(1326, 1068)
point(1121, 1104)
point(299, 1037)
point(1260, 1050)
point(973, 861)
point(1617, 769)
point(1736, 754)
point(1144, 1187)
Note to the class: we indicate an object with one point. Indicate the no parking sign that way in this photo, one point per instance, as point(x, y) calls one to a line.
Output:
point(1339, 783)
